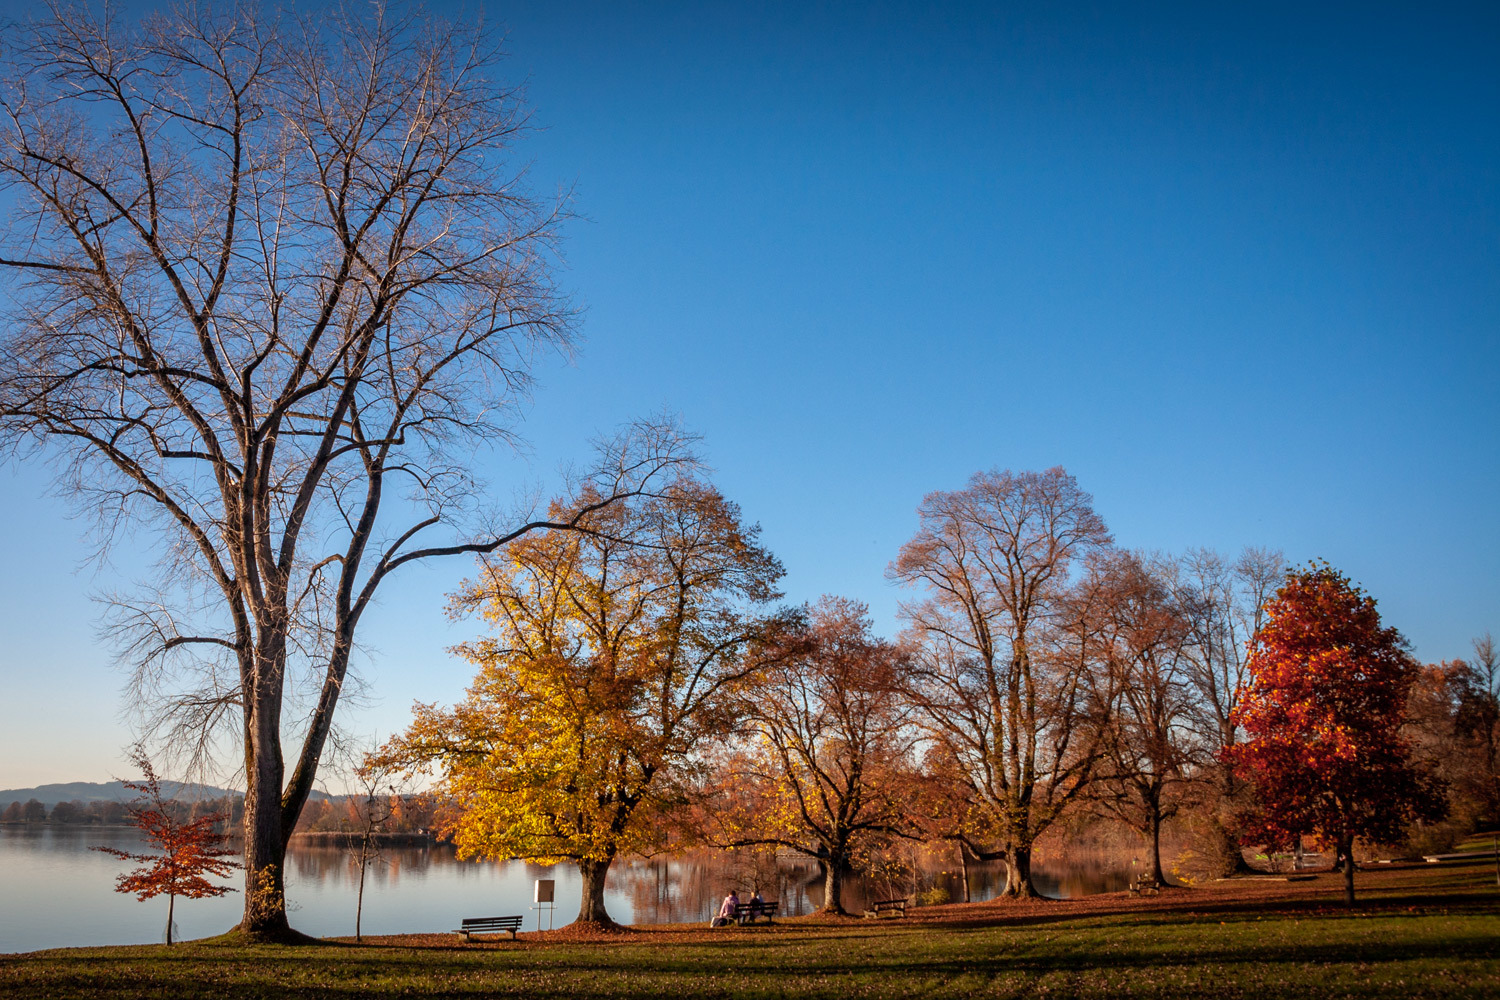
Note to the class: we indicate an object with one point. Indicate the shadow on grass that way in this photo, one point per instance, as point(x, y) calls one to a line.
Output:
point(1309, 947)
point(1278, 973)
point(1200, 909)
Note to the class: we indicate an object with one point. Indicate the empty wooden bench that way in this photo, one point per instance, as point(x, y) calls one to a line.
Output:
point(1144, 885)
point(746, 913)
point(489, 925)
point(887, 908)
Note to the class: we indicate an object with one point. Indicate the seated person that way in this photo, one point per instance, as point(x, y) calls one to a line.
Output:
point(726, 911)
point(757, 905)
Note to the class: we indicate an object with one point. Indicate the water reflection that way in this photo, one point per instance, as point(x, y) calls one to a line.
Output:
point(55, 891)
point(689, 889)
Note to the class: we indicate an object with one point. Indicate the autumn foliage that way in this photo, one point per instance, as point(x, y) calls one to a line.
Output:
point(825, 765)
point(614, 656)
point(1322, 712)
point(189, 850)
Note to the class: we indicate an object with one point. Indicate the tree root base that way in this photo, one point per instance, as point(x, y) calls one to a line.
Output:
point(240, 936)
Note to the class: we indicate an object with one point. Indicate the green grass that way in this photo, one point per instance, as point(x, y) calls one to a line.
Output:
point(1437, 938)
point(1477, 842)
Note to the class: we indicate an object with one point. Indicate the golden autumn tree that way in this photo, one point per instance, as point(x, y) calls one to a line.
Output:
point(828, 766)
point(613, 659)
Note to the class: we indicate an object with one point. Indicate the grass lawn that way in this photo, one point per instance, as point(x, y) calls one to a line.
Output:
point(1420, 931)
point(1478, 842)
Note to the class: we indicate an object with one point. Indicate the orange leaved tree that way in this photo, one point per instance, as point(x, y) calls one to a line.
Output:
point(828, 769)
point(1322, 710)
point(190, 849)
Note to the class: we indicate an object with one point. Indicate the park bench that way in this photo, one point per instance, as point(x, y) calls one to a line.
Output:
point(489, 925)
point(887, 908)
point(746, 913)
point(1144, 885)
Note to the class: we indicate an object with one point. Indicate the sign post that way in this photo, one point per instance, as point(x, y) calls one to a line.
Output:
point(546, 890)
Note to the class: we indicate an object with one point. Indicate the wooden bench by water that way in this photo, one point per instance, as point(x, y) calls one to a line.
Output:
point(747, 913)
point(488, 925)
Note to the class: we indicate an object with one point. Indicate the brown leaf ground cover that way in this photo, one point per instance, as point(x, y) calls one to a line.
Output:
point(1420, 931)
point(1411, 888)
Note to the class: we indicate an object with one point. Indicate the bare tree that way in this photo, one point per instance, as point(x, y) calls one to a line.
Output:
point(1224, 605)
point(1478, 722)
point(372, 810)
point(1151, 744)
point(272, 284)
point(1009, 706)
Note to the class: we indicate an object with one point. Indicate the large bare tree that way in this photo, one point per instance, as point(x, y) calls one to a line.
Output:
point(273, 283)
point(998, 680)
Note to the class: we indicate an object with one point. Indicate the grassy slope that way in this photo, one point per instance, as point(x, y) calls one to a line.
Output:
point(1421, 932)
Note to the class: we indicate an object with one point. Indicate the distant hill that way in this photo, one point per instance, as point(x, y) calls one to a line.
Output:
point(107, 791)
point(115, 791)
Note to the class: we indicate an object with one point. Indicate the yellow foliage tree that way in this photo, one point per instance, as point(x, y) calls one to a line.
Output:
point(613, 659)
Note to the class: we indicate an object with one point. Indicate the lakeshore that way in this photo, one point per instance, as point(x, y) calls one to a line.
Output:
point(1420, 930)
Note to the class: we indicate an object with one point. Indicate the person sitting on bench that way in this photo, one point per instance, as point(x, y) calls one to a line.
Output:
point(726, 911)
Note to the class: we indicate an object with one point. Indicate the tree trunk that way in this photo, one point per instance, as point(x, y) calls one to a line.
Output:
point(1346, 846)
point(833, 887)
point(963, 865)
point(591, 906)
point(265, 842)
point(1224, 822)
point(1155, 820)
point(171, 905)
point(359, 903)
point(1018, 882)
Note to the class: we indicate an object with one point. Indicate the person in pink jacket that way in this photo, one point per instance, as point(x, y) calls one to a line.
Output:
point(726, 911)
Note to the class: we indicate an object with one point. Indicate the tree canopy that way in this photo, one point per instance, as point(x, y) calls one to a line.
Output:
point(826, 764)
point(993, 564)
point(1322, 712)
point(613, 662)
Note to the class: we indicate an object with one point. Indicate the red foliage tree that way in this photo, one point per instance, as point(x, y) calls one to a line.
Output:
point(189, 849)
point(1322, 710)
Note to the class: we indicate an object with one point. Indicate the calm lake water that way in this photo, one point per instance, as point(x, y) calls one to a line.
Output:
point(56, 892)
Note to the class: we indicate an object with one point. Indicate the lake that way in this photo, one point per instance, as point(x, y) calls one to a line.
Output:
point(55, 891)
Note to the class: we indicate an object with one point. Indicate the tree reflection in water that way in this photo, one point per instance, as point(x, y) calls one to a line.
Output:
point(689, 888)
point(59, 892)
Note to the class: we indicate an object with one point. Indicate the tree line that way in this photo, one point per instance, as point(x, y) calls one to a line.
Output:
point(402, 814)
point(638, 689)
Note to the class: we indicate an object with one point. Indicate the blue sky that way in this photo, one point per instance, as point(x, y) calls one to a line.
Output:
point(1236, 268)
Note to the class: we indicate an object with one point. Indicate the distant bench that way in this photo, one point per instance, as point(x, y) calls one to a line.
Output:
point(746, 913)
point(489, 925)
point(887, 908)
point(1144, 885)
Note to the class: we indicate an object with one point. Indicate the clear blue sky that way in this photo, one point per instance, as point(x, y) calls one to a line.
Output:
point(1236, 268)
